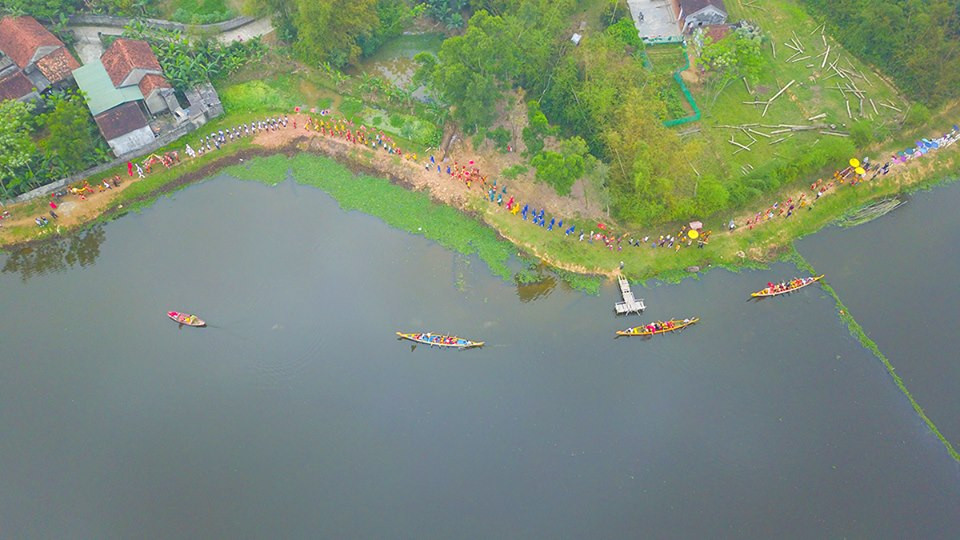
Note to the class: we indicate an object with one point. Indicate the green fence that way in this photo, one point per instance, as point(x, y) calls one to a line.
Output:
point(676, 76)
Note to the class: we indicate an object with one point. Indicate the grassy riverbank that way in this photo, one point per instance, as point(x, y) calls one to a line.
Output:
point(764, 243)
point(415, 212)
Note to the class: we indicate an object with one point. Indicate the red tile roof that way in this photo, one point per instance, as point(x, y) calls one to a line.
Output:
point(717, 31)
point(15, 86)
point(151, 82)
point(58, 65)
point(120, 120)
point(126, 55)
point(20, 37)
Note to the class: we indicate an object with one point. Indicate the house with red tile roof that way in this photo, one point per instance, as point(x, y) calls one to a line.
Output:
point(131, 62)
point(31, 59)
point(123, 88)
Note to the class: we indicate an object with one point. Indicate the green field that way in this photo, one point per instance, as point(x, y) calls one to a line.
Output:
point(811, 94)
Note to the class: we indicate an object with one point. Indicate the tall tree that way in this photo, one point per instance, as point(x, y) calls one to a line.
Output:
point(16, 146)
point(519, 47)
point(471, 70)
point(916, 42)
point(330, 30)
point(650, 176)
point(72, 134)
point(732, 58)
point(563, 167)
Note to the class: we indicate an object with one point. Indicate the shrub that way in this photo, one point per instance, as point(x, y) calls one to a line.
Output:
point(350, 107)
point(512, 172)
point(500, 137)
point(917, 115)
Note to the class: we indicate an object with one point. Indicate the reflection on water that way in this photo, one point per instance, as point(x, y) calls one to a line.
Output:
point(298, 414)
point(80, 249)
point(531, 291)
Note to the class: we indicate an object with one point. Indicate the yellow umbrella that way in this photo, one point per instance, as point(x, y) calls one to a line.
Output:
point(693, 233)
point(854, 162)
point(860, 170)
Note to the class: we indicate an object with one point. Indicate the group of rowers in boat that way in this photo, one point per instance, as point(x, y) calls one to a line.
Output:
point(187, 319)
point(445, 340)
point(660, 326)
point(786, 286)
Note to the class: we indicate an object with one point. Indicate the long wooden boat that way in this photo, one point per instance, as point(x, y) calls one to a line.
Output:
point(789, 287)
point(186, 318)
point(440, 340)
point(664, 327)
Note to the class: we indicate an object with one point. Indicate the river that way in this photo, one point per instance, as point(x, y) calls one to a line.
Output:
point(896, 275)
point(297, 414)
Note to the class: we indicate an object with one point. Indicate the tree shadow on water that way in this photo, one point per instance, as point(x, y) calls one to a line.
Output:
point(57, 255)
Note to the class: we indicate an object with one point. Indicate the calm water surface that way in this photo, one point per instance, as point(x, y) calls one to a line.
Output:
point(899, 277)
point(298, 415)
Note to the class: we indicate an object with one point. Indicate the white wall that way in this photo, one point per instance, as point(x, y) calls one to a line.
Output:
point(131, 141)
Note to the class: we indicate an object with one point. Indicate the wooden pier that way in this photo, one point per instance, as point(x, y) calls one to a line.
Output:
point(629, 304)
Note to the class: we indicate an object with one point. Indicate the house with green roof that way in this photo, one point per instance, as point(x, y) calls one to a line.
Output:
point(122, 89)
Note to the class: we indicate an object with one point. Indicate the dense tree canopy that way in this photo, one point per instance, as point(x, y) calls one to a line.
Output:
point(16, 146)
point(515, 48)
point(732, 58)
point(917, 42)
point(563, 167)
point(331, 31)
point(42, 142)
point(54, 9)
point(72, 134)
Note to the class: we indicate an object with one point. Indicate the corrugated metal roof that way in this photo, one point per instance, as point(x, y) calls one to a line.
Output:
point(92, 78)
point(120, 121)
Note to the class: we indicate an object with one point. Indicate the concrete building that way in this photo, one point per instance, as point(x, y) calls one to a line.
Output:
point(103, 97)
point(32, 59)
point(693, 14)
point(125, 128)
point(123, 88)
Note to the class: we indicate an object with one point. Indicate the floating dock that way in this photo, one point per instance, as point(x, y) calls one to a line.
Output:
point(629, 304)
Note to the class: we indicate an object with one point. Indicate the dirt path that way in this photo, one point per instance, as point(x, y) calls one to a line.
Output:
point(406, 171)
point(900, 175)
point(257, 28)
point(72, 210)
point(441, 186)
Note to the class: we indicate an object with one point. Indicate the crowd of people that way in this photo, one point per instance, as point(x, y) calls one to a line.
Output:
point(853, 174)
point(784, 286)
point(471, 176)
point(214, 141)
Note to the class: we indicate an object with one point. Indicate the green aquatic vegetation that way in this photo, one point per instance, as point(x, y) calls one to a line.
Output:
point(411, 211)
point(580, 282)
point(870, 212)
point(857, 331)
